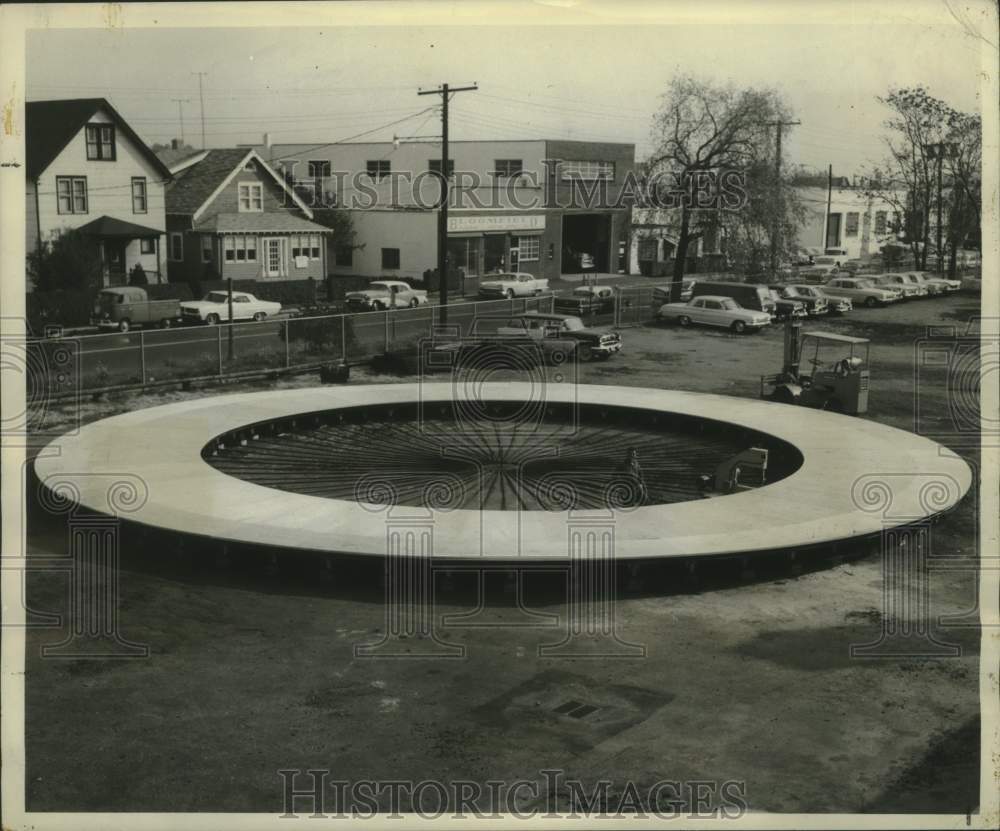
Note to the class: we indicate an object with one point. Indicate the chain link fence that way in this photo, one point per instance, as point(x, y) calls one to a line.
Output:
point(87, 364)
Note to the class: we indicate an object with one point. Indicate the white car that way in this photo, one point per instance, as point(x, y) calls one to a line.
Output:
point(936, 284)
point(513, 284)
point(859, 290)
point(713, 310)
point(385, 294)
point(213, 308)
point(902, 282)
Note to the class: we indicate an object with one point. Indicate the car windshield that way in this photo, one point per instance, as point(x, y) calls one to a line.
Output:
point(217, 297)
point(730, 304)
point(573, 324)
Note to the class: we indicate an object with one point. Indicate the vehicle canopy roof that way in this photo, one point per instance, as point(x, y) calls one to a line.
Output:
point(831, 336)
point(137, 292)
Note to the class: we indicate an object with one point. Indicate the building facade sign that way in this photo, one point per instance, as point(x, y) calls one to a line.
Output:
point(498, 223)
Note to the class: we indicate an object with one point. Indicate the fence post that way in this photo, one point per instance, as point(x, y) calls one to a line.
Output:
point(386, 323)
point(343, 339)
point(288, 343)
point(218, 338)
point(142, 356)
point(618, 306)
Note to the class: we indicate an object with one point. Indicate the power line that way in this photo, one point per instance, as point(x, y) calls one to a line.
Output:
point(180, 112)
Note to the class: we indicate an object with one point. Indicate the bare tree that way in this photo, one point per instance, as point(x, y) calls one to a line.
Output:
point(705, 127)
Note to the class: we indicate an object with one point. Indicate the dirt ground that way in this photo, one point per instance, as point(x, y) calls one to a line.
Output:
point(748, 680)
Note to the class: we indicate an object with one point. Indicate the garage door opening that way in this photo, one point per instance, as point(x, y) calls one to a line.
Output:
point(586, 243)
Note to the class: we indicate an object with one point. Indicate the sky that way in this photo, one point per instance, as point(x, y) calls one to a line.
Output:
point(603, 83)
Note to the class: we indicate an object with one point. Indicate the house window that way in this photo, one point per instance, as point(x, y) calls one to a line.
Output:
point(139, 201)
point(343, 255)
point(434, 166)
point(100, 142)
point(527, 249)
point(251, 197)
point(147, 246)
point(296, 246)
point(390, 258)
point(319, 169)
point(506, 168)
point(879, 222)
point(314, 246)
point(587, 170)
point(851, 228)
point(239, 249)
point(177, 246)
point(206, 248)
point(71, 193)
point(378, 170)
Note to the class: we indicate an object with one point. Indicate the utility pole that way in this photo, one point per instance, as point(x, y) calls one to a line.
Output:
point(775, 228)
point(180, 112)
point(829, 204)
point(444, 91)
point(201, 96)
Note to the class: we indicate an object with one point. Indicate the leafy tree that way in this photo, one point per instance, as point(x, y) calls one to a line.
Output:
point(71, 260)
point(702, 126)
point(907, 179)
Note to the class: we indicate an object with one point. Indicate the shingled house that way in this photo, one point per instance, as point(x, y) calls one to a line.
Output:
point(230, 215)
point(88, 170)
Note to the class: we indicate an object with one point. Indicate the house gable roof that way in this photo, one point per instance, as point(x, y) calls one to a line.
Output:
point(51, 125)
point(196, 183)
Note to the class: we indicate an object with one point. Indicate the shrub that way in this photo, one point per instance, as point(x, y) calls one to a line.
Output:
point(70, 261)
point(137, 276)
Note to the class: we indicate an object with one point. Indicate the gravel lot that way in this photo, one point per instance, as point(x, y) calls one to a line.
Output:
point(749, 681)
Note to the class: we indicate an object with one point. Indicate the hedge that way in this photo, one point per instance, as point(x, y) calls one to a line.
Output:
point(58, 308)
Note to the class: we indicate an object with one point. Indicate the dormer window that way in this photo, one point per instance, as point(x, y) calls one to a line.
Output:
point(101, 142)
point(251, 197)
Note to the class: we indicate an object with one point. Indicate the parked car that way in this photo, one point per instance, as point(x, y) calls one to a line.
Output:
point(213, 308)
point(587, 300)
point(859, 290)
point(384, 294)
point(936, 284)
point(661, 294)
point(514, 284)
point(822, 268)
point(839, 253)
point(787, 307)
point(591, 342)
point(715, 310)
point(811, 297)
point(910, 289)
point(126, 307)
point(748, 295)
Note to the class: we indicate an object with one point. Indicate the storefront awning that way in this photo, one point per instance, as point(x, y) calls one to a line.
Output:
point(108, 227)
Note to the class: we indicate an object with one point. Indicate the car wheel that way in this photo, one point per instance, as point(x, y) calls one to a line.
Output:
point(124, 325)
point(166, 323)
point(259, 316)
point(377, 307)
point(212, 320)
point(684, 320)
point(871, 302)
point(510, 294)
point(739, 327)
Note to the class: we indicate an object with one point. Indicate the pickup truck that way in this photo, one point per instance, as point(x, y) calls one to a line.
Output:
point(125, 307)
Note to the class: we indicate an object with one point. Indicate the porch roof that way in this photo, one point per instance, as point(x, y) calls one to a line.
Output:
point(259, 223)
point(109, 227)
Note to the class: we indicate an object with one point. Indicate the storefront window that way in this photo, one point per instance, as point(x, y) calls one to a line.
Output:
point(464, 253)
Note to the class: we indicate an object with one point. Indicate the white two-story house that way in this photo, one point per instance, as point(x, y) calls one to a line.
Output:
point(88, 170)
